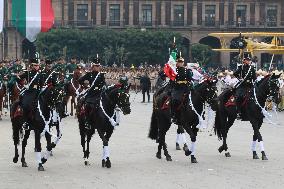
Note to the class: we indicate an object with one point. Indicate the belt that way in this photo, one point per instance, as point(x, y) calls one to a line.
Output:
point(181, 82)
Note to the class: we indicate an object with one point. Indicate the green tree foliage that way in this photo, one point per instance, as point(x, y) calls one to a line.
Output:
point(131, 46)
point(203, 54)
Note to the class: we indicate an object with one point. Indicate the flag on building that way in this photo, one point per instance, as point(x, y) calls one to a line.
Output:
point(170, 66)
point(1, 15)
point(31, 17)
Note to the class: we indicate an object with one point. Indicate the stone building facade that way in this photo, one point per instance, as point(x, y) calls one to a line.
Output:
point(194, 19)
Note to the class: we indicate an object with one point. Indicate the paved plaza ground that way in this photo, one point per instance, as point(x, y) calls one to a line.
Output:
point(134, 164)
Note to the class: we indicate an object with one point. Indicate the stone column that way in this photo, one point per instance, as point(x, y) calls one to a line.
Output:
point(163, 13)
point(130, 13)
point(194, 13)
point(98, 13)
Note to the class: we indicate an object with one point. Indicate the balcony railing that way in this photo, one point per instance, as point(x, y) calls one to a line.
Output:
point(154, 24)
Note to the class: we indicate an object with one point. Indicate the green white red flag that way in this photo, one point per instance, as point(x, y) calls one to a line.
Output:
point(31, 17)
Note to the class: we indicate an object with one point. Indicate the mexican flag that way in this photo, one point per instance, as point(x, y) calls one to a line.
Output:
point(31, 17)
point(170, 66)
point(1, 15)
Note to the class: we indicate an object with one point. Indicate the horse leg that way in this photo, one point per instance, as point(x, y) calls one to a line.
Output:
point(106, 152)
point(16, 138)
point(24, 144)
point(192, 133)
point(72, 105)
point(48, 148)
point(179, 137)
point(87, 151)
point(38, 150)
point(253, 147)
point(166, 153)
point(261, 145)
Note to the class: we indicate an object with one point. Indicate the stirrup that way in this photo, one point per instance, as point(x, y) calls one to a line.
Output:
point(87, 126)
point(25, 126)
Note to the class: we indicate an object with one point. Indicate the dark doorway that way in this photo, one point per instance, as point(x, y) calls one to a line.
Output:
point(214, 43)
point(28, 49)
point(185, 49)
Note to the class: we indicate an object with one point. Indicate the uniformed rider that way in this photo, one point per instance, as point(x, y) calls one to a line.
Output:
point(180, 87)
point(31, 90)
point(96, 80)
point(246, 75)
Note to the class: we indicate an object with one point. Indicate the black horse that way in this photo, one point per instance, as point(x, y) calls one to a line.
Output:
point(104, 119)
point(226, 112)
point(191, 116)
point(39, 120)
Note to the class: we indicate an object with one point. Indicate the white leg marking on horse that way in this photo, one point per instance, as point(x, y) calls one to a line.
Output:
point(183, 138)
point(47, 154)
point(253, 146)
point(38, 157)
point(261, 146)
point(106, 152)
point(178, 138)
point(192, 148)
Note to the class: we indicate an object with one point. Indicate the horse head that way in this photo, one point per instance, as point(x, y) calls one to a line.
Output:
point(208, 91)
point(270, 86)
point(120, 95)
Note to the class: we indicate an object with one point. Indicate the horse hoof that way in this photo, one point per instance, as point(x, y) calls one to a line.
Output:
point(0, 118)
point(15, 159)
point(51, 153)
point(228, 154)
point(43, 160)
point(169, 158)
point(103, 163)
point(40, 167)
point(193, 159)
point(53, 145)
point(24, 164)
point(87, 163)
point(108, 163)
point(254, 155)
point(220, 149)
point(158, 156)
point(177, 147)
point(264, 157)
point(187, 152)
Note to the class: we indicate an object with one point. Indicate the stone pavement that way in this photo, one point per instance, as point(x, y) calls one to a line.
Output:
point(134, 164)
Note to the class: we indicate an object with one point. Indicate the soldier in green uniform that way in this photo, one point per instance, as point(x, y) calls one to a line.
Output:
point(60, 67)
point(70, 68)
point(13, 73)
point(3, 71)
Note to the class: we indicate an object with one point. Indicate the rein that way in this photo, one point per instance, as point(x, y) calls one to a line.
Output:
point(116, 113)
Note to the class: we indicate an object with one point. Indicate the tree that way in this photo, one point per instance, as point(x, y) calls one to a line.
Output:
point(129, 46)
point(107, 54)
point(202, 54)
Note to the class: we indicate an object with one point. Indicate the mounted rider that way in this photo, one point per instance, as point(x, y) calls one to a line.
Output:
point(48, 76)
point(246, 75)
point(180, 88)
point(32, 78)
point(70, 68)
point(96, 79)
point(3, 74)
point(14, 72)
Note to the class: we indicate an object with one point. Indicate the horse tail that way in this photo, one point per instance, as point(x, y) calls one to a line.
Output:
point(221, 114)
point(153, 132)
point(218, 123)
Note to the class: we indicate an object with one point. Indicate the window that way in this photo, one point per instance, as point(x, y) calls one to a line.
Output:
point(271, 16)
point(147, 15)
point(210, 14)
point(114, 14)
point(241, 15)
point(178, 15)
point(82, 14)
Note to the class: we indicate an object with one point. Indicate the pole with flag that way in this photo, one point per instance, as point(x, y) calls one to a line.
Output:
point(1, 15)
point(31, 17)
point(170, 66)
